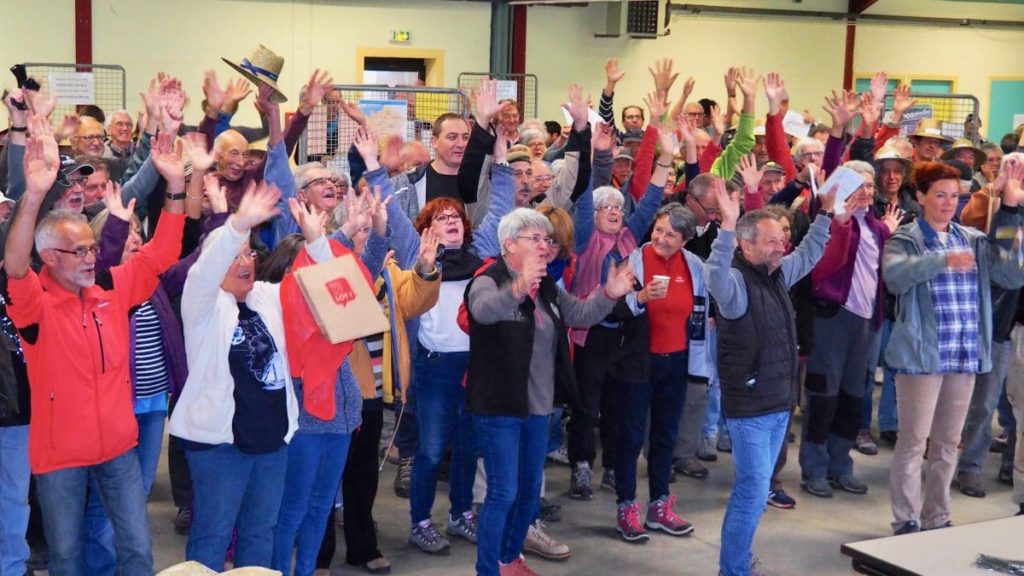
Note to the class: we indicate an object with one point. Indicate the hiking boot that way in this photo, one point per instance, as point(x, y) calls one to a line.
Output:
point(888, 436)
point(549, 512)
point(425, 536)
point(403, 477)
point(1006, 474)
point(849, 484)
point(970, 485)
point(779, 499)
point(463, 526)
point(539, 542)
point(183, 521)
point(724, 443)
point(910, 527)
point(517, 568)
point(817, 487)
point(559, 456)
point(580, 485)
point(865, 444)
point(628, 523)
point(691, 467)
point(706, 449)
point(608, 480)
point(661, 515)
point(946, 524)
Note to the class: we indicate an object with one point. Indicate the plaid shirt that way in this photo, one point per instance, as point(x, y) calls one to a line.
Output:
point(955, 301)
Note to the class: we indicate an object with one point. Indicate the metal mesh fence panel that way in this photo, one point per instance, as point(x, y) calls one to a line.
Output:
point(520, 87)
point(79, 84)
point(397, 114)
point(958, 114)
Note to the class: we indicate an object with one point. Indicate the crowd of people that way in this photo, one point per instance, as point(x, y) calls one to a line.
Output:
point(664, 285)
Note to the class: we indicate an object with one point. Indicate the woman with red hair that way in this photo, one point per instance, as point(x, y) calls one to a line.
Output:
point(941, 274)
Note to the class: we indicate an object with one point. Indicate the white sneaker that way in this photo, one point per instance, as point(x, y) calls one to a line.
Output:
point(559, 456)
point(539, 542)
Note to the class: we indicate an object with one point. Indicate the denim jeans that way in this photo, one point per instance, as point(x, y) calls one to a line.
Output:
point(232, 489)
point(755, 445)
point(443, 423)
point(15, 477)
point(513, 450)
point(62, 498)
point(662, 396)
point(100, 553)
point(977, 433)
point(713, 417)
point(313, 474)
point(888, 420)
point(555, 434)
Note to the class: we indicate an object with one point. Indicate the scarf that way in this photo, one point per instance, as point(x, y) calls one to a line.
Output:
point(458, 263)
point(590, 265)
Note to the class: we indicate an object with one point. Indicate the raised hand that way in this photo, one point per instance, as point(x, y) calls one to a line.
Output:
point(40, 102)
point(688, 88)
point(258, 204)
point(16, 107)
point(731, 78)
point(879, 86)
point(775, 90)
point(319, 85)
point(892, 217)
point(68, 126)
point(602, 137)
point(663, 76)
point(487, 107)
point(310, 220)
point(351, 109)
point(870, 111)
point(747, 169)
point(378, 212)
point(578, 108)
point(166, 157)
point(717, 120)
point(620, 280)
point(39, 126)
point(368, 147)
point(195, 147)
point(728, 207)
point(828, 199)
point(358, 216)
point(611, 71)
point(238, 89)
point(666, 145)
point(115, 204)
point(215, 193)
point(40, 168)
point(215, 95)
point(901, 101)
point(655, 102)
point(427, 258)
point(747, 80)
point(500, 145)
point(172, 105)
point(838, 106)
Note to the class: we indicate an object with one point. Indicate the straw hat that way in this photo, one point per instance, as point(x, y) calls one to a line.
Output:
point(930, 128)
point(261, 65)
point(965, 143)
point(889, 152)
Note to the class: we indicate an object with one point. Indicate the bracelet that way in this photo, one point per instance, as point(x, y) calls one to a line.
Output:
point(733, 95)
point(176, 195)
point(664, 165)
point(19, 128)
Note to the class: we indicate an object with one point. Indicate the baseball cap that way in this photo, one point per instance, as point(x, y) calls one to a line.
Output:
point(774, 167)
point(69, 166)
point(634, 135)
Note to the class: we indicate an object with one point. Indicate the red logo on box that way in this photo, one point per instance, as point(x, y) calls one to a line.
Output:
point(341, 291)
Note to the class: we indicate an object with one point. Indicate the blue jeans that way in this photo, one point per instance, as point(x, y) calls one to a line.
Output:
point(556, 436)
point(713, 416)
point(100, 553)
point(15, 476)
point(888, 421)
point(443, 423)
point(232, 489)
point(756, 442)
point(62, 498)
point(977, 432)
point(315, 465)
point(662, 396)
point(513, 450)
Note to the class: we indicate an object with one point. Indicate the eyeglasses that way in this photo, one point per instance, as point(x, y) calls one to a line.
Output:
point(320, 182)
point(815, 154)
point(544, 178)
point(538, 240)
point(695, 114)
point(92, 138)
point(81, 252)
point(633, 117)
point(80, 181)
point(122, 124)
point(447, 218)
point(708, 211)
point(609, 208)
point(235, 155)
point(250, 254)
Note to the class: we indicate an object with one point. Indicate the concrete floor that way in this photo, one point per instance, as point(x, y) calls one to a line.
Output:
point(805, 540)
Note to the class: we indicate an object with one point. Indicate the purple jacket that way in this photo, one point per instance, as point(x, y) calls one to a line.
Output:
point(832, 277)
point(172, 282)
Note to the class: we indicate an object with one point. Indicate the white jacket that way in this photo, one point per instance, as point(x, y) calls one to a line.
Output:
point(206, 407)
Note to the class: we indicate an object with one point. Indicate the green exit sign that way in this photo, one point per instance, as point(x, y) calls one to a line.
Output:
point(401, 36)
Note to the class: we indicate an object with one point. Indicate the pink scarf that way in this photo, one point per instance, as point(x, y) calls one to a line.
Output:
point(589, 264)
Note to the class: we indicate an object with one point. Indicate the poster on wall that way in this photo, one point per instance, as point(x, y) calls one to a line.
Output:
point(386, 117)
point(73, 87)
point(913, 117)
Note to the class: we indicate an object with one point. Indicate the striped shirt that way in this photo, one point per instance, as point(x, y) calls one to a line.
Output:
point(151, 376)
point(955, 302)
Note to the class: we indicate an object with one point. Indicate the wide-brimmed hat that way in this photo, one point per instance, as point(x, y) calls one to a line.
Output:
point(889, 152)
point(261, 65)
point(962, 144)
point(930, 128)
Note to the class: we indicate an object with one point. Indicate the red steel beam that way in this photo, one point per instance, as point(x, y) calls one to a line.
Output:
point(518, 64)
point(83, 31)
point(854, 7)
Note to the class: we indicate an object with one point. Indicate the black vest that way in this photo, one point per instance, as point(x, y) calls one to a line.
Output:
point(757, 355)
point(497, 382)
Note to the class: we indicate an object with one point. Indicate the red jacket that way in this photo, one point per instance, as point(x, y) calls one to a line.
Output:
point(77, 348)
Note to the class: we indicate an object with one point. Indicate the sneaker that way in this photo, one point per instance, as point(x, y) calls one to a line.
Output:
point(724, 442)
point(865, 444)
point(379, 565)
point(970, 485)
point(403, 477)
point(539, 542)
point(183, 521)
point(425, 536)
point(947, 524)
point(608, 480)
point(849, 484)
point(910, 527)
point(780, 499)
point(706, 449)
point(549, 512)
point(1021, 511)
point(517, 568)
point(691, 467)
point(629, 523)
point(661, 515)
point(888, 436)
point(817, 487)
point(580, 485)
point(463, 526)
point(559, 456)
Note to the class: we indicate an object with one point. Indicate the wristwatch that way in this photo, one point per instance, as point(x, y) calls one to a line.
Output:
point(826, 213)
point(176, 195)
point(430, 276)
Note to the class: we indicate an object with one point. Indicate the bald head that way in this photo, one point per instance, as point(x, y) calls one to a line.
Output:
point(88, 138)
point(414, 155)
point(233, 151)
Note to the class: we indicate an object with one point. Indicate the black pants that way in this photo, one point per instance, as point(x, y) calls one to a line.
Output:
point(598, 393)
point(177, 469)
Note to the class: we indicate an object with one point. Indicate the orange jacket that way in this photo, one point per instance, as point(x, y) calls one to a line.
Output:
point(76, 348)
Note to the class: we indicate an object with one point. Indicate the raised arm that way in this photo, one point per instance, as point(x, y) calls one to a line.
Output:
point(646, 209)
point(40, 169)
point(503, 187)
point(774, 135)
point(725, 284)
point(743, 143)
point(18, 112)
point(606, 107)
point(798, 264)
point(402, 235)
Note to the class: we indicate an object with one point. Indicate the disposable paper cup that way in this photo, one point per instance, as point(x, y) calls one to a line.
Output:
point(662, 279)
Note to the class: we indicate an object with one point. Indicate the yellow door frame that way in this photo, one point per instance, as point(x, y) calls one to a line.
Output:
point(433, 58)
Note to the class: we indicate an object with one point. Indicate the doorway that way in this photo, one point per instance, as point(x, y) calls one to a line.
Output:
point(394, 71)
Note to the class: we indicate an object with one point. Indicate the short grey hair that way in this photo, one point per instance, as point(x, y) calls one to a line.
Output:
point(513, 223)
point(301, 173)
point(48, 233)
point(801, 143)
point(605, 195)
point(680, 218)
point(530, 134)
point(110, 118)
point(860, 167)
point(702, 185)
point(746, 227)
